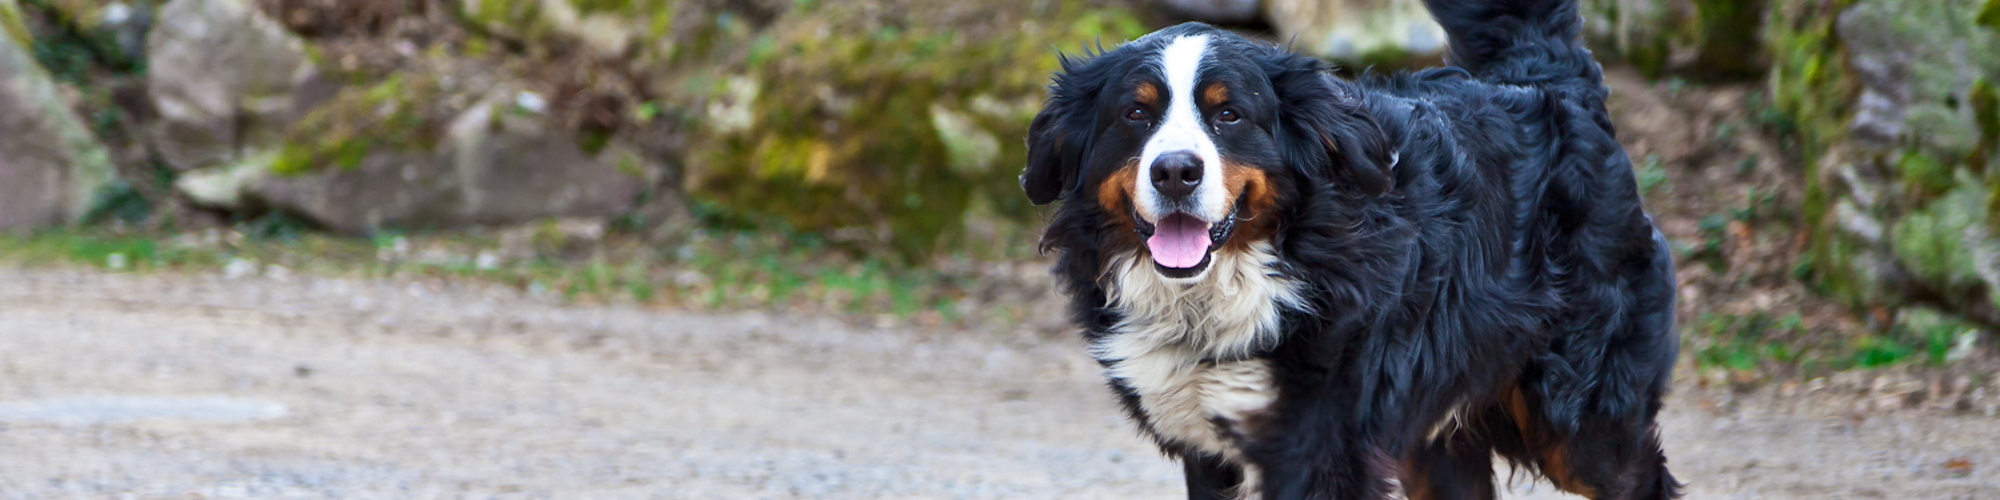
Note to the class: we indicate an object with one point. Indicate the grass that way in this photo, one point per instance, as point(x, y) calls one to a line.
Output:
point(1746, 342)
point(1651, 175)
point(112, 252)
point(1758, 342)
point(713, 269)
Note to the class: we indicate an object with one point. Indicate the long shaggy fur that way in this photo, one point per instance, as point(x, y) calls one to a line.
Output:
point(1462, 245)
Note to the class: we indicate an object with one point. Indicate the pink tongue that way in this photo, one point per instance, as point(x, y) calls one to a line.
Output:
point(1179, 241)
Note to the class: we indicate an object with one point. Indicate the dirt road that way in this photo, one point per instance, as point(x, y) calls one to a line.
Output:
point(179, 386)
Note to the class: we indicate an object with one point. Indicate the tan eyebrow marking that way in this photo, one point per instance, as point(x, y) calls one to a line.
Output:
point(1148, 94)
point(1216, 93)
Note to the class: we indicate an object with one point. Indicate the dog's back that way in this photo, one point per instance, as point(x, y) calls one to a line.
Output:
point(1583, 409)
point(1512, 154)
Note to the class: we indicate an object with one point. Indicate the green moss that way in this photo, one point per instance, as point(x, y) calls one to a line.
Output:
point(1809, 82)
point(1725, 31)
point(1989, 16)
point(340, 134)
point(1931, 243)
point(13, 26)
point(1985, 102)
point(520, 19)
point(1843, 267)
point(844, 141)
point(1925, 176)
point(614, 6)
point(1809, 92)
point(1702, 39)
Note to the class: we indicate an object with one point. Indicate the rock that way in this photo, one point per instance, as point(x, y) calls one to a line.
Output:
point(1215, 11)
point(1711, 39)
point(226, 81)
point(1889, 96)
point(225, 187)
point(972, 149)
point(1357, 30)
point(516, 168)
point(497, 165)
point(387, 189)
point(51, 166)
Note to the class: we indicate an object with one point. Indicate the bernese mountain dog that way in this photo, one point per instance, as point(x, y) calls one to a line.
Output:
point(1309, 287)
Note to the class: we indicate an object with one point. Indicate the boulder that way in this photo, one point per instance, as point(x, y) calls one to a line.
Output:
point(51, 166)
point(1215, 11)
point(498, 164)
point(1895, 102)
point(1357, 30)
point(226, 81)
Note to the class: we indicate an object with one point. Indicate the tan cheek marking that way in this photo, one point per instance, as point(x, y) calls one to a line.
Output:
point(1216, 93)
point(1257, 220)
point(1116, 191)
point(1147, 94)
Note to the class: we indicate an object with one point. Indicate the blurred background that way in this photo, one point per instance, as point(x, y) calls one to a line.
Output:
point(795, 205)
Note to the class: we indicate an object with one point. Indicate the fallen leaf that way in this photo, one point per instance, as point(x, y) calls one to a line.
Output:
point(1958, 467)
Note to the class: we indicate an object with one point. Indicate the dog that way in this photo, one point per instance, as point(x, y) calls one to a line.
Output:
point(1309, 287)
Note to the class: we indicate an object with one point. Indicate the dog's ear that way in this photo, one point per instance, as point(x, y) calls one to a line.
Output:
point(1325, 127)
point(1059, 138)
point(1053, 157)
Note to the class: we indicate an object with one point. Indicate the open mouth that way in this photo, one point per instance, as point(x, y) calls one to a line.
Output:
point(1181, 243)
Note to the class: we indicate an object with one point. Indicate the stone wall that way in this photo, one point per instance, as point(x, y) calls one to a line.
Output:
point(1894, 108)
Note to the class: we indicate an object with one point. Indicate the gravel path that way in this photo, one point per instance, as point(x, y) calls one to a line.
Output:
point(185, 386)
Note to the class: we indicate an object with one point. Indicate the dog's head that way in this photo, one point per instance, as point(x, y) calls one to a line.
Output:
point(1193, 140)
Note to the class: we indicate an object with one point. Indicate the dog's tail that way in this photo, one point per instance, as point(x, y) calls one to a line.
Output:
point(1522, 42)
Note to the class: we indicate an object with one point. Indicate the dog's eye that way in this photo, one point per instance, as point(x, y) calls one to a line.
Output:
point(1136, 114)
point(1228, 116)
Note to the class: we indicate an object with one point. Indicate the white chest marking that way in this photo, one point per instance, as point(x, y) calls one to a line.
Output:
point(1184, 348)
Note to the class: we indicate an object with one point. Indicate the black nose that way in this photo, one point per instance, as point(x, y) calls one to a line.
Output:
point(1176, 174)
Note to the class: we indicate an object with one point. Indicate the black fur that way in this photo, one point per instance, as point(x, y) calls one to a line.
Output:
point(1468, 237)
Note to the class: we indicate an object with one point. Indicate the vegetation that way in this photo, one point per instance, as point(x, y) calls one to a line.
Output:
point(715, 269)
point(842, 160)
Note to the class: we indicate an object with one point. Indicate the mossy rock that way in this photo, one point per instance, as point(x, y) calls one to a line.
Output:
point(1900, 89)
point(884, 138)
point(609, 27)
point(55, 168)
point(13, 26)
point(389, 115)
point(1707, 39)
point(1934, 244)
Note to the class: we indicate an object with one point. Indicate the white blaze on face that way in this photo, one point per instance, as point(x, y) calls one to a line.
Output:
point(1183, 130)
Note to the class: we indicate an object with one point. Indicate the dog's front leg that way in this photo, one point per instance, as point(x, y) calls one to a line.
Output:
point(1313, 457)
point(1210, 478)
point(1324, 478)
